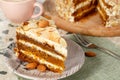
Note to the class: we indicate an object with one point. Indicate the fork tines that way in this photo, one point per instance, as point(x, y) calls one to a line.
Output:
point(79, 39)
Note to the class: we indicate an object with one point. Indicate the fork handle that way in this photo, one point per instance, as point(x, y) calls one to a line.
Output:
point(109, 52)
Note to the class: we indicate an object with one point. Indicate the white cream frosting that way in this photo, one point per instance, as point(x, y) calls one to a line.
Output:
point(87, 2)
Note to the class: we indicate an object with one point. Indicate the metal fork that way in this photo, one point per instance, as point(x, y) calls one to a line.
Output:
point(85, 43)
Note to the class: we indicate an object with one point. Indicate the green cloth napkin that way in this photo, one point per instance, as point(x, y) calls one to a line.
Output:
point(101, 67)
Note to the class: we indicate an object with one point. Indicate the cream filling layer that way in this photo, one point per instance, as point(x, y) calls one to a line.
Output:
point(80, 14)
point(72, 9)
point(42, 61)
point(87, 2)
point(59, 48)
point(40, 49)
point(86, 11)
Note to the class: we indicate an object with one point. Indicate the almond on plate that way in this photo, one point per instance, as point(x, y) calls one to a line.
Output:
point(41, 67)
point(31, 65)
point(90, 54)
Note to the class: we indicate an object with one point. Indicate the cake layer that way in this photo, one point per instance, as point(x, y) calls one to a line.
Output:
point(83, 8)
point(24, 57)
point(85, 3)
point(40, 60)
point(83, 13)
point(40, 46)
point(42, 55)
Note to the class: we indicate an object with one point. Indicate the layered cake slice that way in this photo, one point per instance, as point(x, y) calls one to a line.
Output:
point(74, 10)
point(39, 41)
point(109, 11)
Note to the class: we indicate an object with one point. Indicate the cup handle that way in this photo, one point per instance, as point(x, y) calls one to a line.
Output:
point(40, 6)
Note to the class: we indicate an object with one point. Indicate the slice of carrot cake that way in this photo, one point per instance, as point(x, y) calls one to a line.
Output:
point(39, 40)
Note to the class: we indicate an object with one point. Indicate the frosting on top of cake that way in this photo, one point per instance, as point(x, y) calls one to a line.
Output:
point(49, 32)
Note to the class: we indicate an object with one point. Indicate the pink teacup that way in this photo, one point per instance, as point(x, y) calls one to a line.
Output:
point(19, 11)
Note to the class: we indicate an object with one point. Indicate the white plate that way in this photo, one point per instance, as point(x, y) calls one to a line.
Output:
point(74, 62)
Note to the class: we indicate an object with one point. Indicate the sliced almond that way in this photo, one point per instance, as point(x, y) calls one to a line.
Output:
point(43, 23)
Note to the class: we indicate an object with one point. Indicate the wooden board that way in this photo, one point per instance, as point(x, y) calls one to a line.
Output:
point(91, 25)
